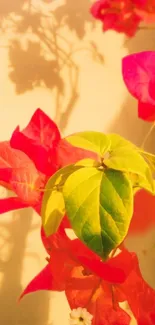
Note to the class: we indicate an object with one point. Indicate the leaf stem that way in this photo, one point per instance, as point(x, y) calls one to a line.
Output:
point(113, 252)
point(147, 135)
point(150, 155)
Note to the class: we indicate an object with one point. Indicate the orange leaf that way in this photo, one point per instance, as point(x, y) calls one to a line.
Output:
point(20, 174)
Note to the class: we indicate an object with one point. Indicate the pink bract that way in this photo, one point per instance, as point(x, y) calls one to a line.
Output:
point(138, 72)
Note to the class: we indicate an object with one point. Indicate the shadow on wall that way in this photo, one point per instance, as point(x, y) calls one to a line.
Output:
point(38, 57)
point(34, 308)
point(127, 123)
point(75, 15)
point(38, 52)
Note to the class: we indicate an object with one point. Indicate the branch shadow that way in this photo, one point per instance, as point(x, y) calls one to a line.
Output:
point(34, 308)
point(40, 54)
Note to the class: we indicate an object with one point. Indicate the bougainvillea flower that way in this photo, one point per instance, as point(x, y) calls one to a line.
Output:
point(18, 174)
point(124, 16)
point(30, 158)
point(11, 203)
point(95, 285)
point(118, 15)
point(146, 10)
point(138, 73)
point(42, 142)
point(38, 140)
point(144, 213)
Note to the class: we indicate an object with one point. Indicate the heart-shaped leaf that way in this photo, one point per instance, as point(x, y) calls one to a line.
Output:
point(90, 140)
point(99, 205)
point(124, 156)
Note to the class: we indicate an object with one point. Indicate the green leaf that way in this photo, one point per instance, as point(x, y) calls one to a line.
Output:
point(124, 156)
point(53, 206)
point(99, 205)
point(90, 140)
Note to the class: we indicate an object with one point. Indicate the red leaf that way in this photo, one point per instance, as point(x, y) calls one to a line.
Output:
point(105, 314)
point(140, 297)
point(58, 240)
point(38, 141)
point(144, 212)
point(10, 204)
point(43, 281)
point(50, 278)
point(61, 260)
point(80, 288)
point(88, 292)
point(90, 283)
point(123, 261)
point(114, 270)
point(111, 271)
point(135, 290)
point(26, 183)
point(145, 9)
point(10, 157)
point(20, 174)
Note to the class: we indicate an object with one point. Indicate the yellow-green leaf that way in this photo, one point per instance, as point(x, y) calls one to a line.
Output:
point(99, 205)
point(53, 206)
point(90, 140)
point(124, 156)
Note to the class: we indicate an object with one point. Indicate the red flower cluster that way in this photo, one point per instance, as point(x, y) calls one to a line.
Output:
point(30, 158)
point(26, 163)
point(139, 76)
point(90, 283)
point(123, 16)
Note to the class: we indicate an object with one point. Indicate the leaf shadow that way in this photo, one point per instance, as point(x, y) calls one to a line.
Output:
point(75, 14)
point(7, 7)
point(40, 54)
point(29, 69)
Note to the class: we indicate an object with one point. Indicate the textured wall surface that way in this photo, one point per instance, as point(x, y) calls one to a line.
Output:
point(54, 56)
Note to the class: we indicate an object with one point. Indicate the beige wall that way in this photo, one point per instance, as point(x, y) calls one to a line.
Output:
point(53, 56)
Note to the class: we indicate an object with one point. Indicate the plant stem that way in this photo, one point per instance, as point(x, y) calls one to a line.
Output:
point(147, 135)
point(113, 252)
point(114, 303)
